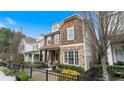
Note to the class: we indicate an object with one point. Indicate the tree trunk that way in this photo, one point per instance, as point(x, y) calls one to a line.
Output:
point(104, 68)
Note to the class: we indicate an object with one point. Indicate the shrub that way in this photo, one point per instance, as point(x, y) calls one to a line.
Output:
point(58, 70)
point(39, 65)
point(6, 70)
point(68, 75)
point(119, 63)
point(76, 68)
point(114, 71)
point(22, 76)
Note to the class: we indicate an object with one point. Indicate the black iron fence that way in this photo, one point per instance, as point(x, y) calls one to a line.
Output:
point(48, 75)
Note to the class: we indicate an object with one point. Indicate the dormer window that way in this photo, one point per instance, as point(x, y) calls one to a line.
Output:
point(70, 33)
point(55, 27)
point(48, 40)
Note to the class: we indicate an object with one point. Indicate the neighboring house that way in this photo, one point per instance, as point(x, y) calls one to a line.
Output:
point(25, 47)
point(115, 52)
point(36, 56)
point(66, 43)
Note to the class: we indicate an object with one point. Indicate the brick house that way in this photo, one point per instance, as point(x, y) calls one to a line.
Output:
point(66, 44)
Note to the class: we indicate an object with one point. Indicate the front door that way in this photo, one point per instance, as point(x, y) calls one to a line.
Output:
point(57, 57)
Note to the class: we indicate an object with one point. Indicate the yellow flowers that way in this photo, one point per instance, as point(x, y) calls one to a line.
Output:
point(70, 72)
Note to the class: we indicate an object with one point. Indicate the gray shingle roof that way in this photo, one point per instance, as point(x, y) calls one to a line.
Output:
point(29, 39)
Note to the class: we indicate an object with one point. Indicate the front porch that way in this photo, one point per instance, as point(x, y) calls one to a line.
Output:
point(118, 53)
point(50, 55)
point(33, 56)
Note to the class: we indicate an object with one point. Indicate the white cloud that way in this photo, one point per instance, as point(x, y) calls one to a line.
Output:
point(10, 20)
point(2, 25)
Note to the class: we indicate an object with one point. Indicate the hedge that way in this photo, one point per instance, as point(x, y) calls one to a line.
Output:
point(120, 63)
point(76, 68)
point(39, 65)
point(114, 71)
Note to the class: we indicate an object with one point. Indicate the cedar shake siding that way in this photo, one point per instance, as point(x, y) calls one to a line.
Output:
point(71, 48)
point(78, 33)
point(52, 44)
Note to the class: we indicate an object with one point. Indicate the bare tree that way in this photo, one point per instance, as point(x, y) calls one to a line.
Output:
point(102, 28)
point(15, 45)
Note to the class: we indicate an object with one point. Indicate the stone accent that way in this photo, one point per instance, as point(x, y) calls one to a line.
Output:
point(81, 53)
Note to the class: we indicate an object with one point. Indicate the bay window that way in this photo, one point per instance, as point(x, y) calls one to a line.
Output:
point(71, 57)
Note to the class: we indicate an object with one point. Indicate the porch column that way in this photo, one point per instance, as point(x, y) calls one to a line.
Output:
point(109, 55)
point(114, 55)
point(49, 57)
point(41, 56)
point(27, 58)
point(45, 56)
point(32, 58)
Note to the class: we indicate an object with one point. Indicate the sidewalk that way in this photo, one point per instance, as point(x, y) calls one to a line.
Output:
point(6, 78)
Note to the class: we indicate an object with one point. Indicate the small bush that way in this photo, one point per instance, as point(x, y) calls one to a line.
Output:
point(76, 68)
point(68, 75)
point(22, 76)
point(58, 70)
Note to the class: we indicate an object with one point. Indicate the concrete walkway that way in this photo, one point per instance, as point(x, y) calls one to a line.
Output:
point(3, 77)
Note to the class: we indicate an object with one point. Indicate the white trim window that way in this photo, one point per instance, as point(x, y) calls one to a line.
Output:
point(48, 40)
point(71, 57)
point(42, 43)
point(56, 39)
point(70, 33)
point(35, 47)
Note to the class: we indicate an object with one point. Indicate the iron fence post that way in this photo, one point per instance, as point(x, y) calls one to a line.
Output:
point(78, 77)
point(22, 68)
point(31, 72)
point(47, 75)
point(18, 68)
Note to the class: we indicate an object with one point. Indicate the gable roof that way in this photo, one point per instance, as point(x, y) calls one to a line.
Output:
point(71, 17)
point(29, 39)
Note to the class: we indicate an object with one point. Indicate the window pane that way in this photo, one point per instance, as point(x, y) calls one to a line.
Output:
point(56, 39)
point(66, 57)
point(76, 58)
point(71, 57)
point(70, 33)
